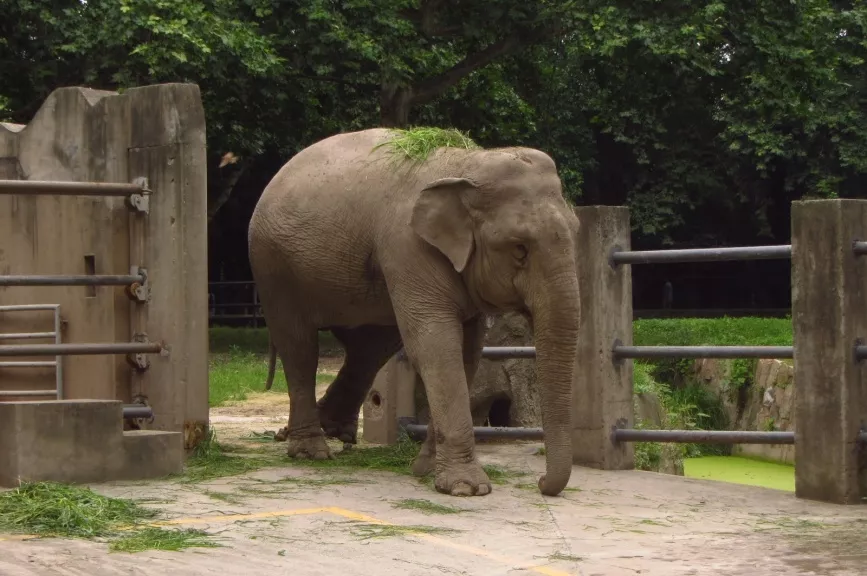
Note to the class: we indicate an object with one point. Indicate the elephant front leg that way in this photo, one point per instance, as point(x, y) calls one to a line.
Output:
point(439, 360)
point(474, 333)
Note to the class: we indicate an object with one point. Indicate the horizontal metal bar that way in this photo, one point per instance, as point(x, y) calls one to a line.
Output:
point(704, 436)
point(137, 411)
point(860, 352)
point(25, 307)
point(35, 364)
point(28, 392)
point(81, 349)
point(419, 431)
point(504, 352)
point(27, 335)
point(72, 280)
point(52, 188)
point(860, 248)
point(703, 351)
point(702, 255)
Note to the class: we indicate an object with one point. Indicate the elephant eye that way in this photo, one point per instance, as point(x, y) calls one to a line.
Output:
point(520, 252)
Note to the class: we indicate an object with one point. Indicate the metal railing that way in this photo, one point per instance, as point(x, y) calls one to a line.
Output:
point(57, 363)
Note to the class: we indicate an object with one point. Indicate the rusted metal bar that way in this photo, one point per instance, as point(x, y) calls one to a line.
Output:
point(703, 351)
point(35, 364)
point(51, 392)
point(26, 335)
point(82, 349)
point(779, 252)
point(52, 188)
point(72, 280)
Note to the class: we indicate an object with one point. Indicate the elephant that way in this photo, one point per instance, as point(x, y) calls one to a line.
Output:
point(388, 253)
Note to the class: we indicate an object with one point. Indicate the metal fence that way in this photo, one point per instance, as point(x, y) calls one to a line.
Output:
point(137, 195)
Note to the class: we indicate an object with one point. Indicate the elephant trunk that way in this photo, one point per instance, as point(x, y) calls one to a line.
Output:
point(555, 315)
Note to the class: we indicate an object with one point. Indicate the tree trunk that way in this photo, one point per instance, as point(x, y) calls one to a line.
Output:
point(395, 104)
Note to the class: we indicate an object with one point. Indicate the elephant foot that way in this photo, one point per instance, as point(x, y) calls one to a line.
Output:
point(424, 464)
point(462, 479)
point(281, 434)
point(345, 430)
point(312, 447)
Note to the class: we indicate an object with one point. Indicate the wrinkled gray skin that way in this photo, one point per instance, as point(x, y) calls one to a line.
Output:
point(385, 253)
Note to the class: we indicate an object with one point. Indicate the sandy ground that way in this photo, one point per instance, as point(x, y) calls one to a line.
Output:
point(276, 522)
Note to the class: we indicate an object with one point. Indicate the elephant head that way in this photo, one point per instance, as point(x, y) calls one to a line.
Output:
point(505, 226)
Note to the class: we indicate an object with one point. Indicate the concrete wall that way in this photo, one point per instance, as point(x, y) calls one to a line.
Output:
point(153, 132)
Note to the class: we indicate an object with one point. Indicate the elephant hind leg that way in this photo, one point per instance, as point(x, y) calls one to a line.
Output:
point(368, 348)
point(299, 351)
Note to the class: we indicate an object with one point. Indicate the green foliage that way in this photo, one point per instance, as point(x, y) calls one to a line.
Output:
point(419, 142)
point(151, 538)
point(54, 509)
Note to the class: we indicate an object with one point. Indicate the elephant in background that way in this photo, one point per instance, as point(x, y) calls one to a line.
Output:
point(389, 253)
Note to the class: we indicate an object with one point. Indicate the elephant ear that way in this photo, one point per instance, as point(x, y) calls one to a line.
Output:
point(440, 216)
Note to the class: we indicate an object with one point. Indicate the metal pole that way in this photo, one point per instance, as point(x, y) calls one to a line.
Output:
point(71, 280)
point(137, 411)
point(58, 360)
point(704, 436)
point(52, 188)
point(419, 431)
point(860, 352)
point(504, 352)
point(779, 252)
point(26, 335)
point(27, 392)
point(82, 349)
point(35, 364)
point(703, 351)
point(860, 248)
point(16, 307)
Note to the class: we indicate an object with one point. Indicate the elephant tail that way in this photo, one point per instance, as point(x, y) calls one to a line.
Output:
point(272, 364)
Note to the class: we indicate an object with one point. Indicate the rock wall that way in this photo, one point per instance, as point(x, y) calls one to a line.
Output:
point(766, 404)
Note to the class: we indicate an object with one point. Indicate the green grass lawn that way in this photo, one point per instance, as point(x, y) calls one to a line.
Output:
point(740, 470)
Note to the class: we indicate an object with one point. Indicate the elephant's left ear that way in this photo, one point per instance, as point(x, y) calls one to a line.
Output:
point(440, 216)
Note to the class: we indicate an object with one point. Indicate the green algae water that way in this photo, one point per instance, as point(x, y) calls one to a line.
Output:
point(739, 470)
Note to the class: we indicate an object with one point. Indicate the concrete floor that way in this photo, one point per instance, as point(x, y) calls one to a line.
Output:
point(611, 524)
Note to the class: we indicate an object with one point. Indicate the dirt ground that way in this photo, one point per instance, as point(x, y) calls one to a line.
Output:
point(299, 521)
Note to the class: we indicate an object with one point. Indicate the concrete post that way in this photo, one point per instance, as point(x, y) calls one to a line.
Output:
point(829, 316)
point(602, 389)
point(391, 397)
point(167, 147)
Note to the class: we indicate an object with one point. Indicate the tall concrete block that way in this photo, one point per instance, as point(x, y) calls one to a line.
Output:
point(391, 396)
point(829, 316)
point(602, 389)
point(155, 133)
point(167, 146)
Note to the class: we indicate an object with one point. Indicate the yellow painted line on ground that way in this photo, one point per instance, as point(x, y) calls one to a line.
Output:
point(351, 515)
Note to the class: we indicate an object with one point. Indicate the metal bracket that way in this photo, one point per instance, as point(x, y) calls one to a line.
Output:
point(139, 362)
point(139, 292)
point(142, 400)
point(140, 201)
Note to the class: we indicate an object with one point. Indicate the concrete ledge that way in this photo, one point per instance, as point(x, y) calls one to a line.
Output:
point(80, 441)
point(151, 454)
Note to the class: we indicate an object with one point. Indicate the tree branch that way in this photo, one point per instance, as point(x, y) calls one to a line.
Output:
point(429, 89)
point(226, 184)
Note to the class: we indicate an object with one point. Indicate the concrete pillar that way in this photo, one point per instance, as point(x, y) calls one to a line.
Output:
point(167, 147)
point(392, 396)
point(602, 389)
point(829, 315)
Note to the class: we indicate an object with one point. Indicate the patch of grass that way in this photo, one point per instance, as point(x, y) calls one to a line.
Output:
point(223, 497)
point(369, 531)
point(53, 509)
point(159, 539)
point(418, 143)
point(426, 506)
point(318, 482)
point(210, 461)
point(501, 475)
point(565, 557)
point(395, 458)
